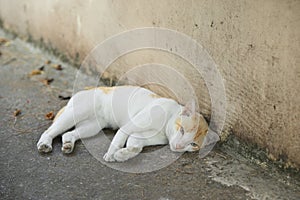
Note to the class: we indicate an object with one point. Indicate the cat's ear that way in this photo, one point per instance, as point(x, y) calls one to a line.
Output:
point(189, 109)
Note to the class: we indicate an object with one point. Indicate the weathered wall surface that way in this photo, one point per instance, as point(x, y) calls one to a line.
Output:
point(254, 43)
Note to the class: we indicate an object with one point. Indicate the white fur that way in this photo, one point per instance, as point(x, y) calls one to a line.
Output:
point(142, 119)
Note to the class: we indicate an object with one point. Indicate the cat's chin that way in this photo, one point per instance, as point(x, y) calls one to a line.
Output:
point(172, 148)
point(176, 150)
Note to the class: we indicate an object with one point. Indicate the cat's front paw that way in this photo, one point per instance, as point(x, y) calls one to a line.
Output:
point(127, 153)
point(122, 155)
point(109, 157)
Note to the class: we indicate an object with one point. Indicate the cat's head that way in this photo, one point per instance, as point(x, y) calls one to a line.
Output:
point(188, 130)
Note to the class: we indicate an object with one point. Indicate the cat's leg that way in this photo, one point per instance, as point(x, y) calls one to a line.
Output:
point(64, 122)
point(127, 153)
point(85, 129)
point(117, 143)
point(150, 118)
point(133, 148)
point(80, 108)
point(135, 144)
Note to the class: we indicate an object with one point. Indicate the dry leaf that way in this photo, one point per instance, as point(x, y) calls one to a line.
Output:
point(17, 112)
point(50, 115)
point(57, 66)
point(35, 72)
point(47, 81)
point(42, 68)
point(64, 97)
point(4, 41)
point(47, 62)
point(271, 157)
point(89, 87)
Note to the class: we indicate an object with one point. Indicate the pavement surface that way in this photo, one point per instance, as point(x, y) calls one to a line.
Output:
point(27, 174)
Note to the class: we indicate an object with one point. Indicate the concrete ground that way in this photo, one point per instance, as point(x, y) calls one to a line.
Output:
point(26, 174)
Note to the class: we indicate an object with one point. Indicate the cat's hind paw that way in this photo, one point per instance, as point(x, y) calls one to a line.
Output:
point(67, 147)
point(44, 144)
point(109, 158)
point(44, 148)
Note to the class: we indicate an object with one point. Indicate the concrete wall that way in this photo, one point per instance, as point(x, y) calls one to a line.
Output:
point(254, 43)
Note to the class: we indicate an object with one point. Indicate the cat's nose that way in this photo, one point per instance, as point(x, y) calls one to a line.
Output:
point(178, 146)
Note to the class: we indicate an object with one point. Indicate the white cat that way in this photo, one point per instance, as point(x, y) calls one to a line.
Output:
point(143, 119)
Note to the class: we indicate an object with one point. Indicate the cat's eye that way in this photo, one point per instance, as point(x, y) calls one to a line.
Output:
point(181, 130)
point(194, 144)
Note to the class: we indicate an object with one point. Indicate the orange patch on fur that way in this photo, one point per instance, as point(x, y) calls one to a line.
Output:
point(177, 124)
point(202, 131)
point(89, 87)
point(195, 122)
point(59, 113)
point(106, 90)
point(155, 95)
